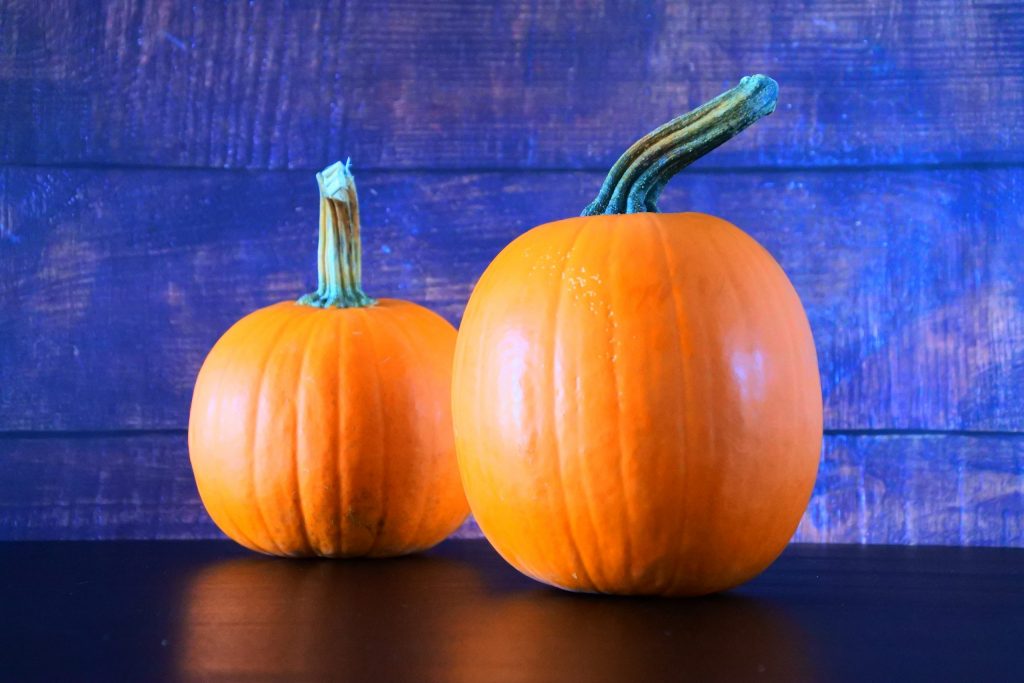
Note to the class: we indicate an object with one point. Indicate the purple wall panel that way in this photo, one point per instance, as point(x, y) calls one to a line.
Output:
point(155, 185)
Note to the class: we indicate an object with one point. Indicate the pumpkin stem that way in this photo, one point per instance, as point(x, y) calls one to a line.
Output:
point(636, 180)
point(339, 253)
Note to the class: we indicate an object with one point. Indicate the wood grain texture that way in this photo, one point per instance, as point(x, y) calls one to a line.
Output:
point(936, 489)
point(99, 488)
point(115, 284)
point(212, 612)
point(515, 84)
point(926, 489)
point(103, 487)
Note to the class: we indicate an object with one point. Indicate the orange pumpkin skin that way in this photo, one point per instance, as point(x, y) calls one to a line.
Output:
point(637, 405)
point(327, 431)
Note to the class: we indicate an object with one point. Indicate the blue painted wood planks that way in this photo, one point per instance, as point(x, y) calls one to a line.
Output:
point(156, 184)
point(116, 283)
point(928, 489)
point(511, 84)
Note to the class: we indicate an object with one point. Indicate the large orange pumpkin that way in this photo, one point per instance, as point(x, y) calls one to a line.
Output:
point(636, 397)
point(323, 426)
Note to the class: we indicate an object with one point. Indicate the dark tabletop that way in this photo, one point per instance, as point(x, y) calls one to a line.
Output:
point(206, 611)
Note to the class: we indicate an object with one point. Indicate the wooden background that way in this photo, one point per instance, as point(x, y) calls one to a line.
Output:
point(156, 183)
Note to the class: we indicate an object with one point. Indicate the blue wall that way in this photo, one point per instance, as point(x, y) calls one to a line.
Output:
point(156, 183)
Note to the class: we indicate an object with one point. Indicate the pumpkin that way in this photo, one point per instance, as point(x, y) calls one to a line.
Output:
point(322, 427)
point(636, 397)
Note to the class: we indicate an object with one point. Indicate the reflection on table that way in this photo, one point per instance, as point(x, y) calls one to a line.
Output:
point(443, 617)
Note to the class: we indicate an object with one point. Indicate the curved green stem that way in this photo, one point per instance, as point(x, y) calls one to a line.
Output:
point(635, 182)
point(339, 253)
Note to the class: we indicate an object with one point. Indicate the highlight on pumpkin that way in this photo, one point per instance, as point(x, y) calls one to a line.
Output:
point(322, 427)
point(636, 396)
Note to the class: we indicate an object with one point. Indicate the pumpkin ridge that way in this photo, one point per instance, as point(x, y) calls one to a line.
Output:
point(306, 338)
point(392, 315)
point(367, 325)
point(628, 564)
point(215, 491)
point(256, 421)
point(687, 368)
point(585, 478)
point(728, 261)
point(773, 302)
point(727, 270)
point(685, 384)
point(769, 266)
point(222, 372)
point(557, 441)
point(385, 316)
point(341, 324)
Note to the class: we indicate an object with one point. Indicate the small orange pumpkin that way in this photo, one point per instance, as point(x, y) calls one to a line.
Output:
point(323, 426)
point(636, 396)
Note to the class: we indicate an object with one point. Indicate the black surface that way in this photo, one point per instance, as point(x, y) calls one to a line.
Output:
point(153, 611)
